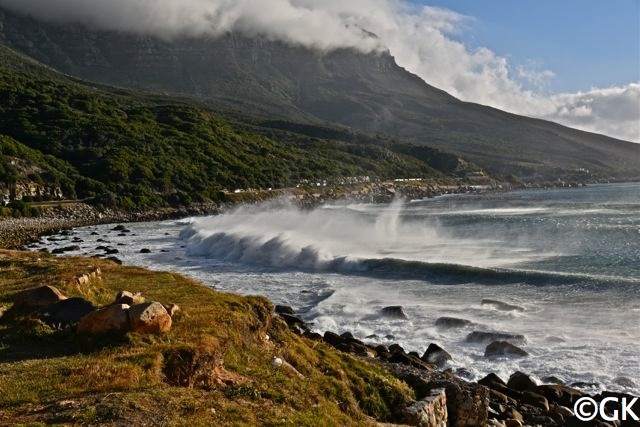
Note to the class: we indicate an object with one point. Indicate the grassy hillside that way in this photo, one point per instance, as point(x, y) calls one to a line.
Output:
point(134, 150)
point(51, 376)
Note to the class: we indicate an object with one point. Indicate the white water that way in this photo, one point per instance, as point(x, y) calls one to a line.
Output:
point(331, 264)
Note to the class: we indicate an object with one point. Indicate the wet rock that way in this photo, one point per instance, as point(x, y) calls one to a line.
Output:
point(502, 306)
point(452, 323)
point(347, 336)
point(43, 296)
point(371, 337)
point(479, 337)
point(552, 380)
point(284, 309)
point(93, 233)
point(71, 248)
point(115, 259)
point(113, 318)
point(68, 312)
point(504, 349)
point(145, 251)
point(128, 298)
point(149, 318)
point(119, 228)
point(393, 312)
point(389, 337)
point(429, 412)
point(436, 355)
point(111, 251)
point(521, 382)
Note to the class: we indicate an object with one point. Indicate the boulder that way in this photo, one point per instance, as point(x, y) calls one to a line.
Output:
point(294, 321)
point(492, 381)
point(113, 318)
point(129, 298)
point(560, 394)
point(406, 359)
point(43, 296)
point(149, 318)
point(536, 400)
point(478, 337)
point(119, 228)
point(452, 322)
point(521, 382)
point(393, 312)
point(429, 412)
point(504, 349)
point(68, 312)
point(145, 251)
point(436, 355)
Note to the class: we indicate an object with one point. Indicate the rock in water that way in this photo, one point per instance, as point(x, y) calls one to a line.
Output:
point(69, 312)
point(113, 318)
point(489, 337)
point(44, 296)
point(452, 322)
point(430, 411)
point(436, 355)
point(504, 348)
point(393, 312)
point(502, 306)
point(149, 318)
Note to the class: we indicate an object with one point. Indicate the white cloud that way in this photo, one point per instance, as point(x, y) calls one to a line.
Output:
point(421, 39)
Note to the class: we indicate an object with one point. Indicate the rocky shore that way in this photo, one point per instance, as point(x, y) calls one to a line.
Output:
point(15, 233)
point(444, 398)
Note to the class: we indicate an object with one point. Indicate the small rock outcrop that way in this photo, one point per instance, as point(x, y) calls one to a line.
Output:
point(504, 349)
point(112, 318)
point(480, 337)
point(430, 411)
point(43, 296)
point(149, 318)
point(452, 323)
point(393, 312)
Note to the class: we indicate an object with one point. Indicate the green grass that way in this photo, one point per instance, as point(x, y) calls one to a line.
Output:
point(59, 377)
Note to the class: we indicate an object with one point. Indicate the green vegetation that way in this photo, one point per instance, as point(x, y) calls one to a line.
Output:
point(52, 376)
point(132, 150)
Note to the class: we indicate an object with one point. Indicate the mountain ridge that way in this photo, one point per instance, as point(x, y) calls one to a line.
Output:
point(364, 92)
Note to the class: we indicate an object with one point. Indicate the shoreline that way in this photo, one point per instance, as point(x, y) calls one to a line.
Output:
point(16, 233)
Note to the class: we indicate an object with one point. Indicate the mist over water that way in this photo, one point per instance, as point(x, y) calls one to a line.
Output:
point(568, 258)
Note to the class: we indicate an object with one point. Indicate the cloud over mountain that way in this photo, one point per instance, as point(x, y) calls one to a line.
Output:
point(421, 38)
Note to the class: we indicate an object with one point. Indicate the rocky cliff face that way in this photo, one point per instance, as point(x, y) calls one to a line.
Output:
point(367, 92)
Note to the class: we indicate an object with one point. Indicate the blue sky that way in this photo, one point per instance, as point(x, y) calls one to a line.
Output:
point(586, 43)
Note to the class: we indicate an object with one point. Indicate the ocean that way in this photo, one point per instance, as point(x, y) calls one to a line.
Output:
point(565, 263)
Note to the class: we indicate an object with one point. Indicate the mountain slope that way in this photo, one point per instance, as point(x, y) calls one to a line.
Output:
point(133, 149)
point(367, 92)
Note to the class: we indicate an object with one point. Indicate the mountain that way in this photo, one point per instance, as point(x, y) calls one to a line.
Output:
point(63, 137)
point(370, 93)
